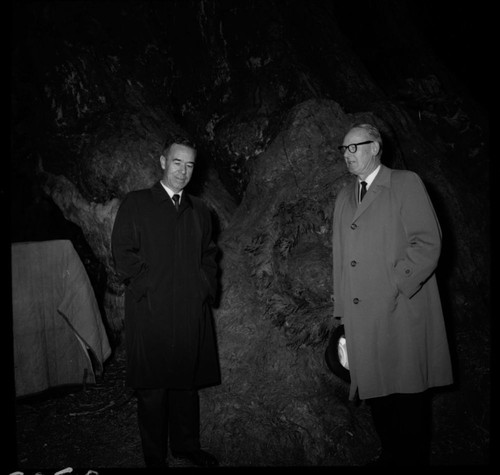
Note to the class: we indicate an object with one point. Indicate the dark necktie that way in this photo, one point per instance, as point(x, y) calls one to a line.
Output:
point(363, 191)
point(176, 201)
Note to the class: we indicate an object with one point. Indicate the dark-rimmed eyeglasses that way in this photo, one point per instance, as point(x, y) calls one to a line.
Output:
point(352, 147)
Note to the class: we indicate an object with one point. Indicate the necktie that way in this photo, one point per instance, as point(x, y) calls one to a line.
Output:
point(176, 201)
point(363, 191)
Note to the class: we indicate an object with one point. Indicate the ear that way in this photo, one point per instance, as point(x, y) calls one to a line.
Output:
point(375, 148)
point(163, 162)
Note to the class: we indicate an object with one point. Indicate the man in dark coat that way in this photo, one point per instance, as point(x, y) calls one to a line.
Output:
point(386, 246)
point(164, 253)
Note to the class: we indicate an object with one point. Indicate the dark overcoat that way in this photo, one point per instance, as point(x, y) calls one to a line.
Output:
point(385, 252)
point(167, 259)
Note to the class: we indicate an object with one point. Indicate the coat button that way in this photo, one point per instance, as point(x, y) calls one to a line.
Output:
point(355, 301)
point(407, 271)
point(353, 263)
point(354, 226)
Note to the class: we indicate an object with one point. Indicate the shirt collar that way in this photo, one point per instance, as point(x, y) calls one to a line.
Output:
point(369, 179)
point(170, 192)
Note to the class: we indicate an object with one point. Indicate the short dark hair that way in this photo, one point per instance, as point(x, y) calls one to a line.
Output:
point(180, 139)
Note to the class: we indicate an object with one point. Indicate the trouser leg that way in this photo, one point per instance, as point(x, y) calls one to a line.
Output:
point(382, 420)
point(402, 422)
point(413, 414)
point(184, 420)
point(152, 421)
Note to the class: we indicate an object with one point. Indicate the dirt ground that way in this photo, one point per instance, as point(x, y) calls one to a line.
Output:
point(95, 427)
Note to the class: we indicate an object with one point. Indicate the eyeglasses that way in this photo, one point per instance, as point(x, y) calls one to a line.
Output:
point(353, 147)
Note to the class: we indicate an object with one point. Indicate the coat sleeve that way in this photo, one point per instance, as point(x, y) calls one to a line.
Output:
point(209, 258)
point(423, 236)
point(130, 267)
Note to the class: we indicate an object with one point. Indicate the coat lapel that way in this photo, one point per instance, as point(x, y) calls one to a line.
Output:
point(185, 203)
point(382, 180)
point(159, 193)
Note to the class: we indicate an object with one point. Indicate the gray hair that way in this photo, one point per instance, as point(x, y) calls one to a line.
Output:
point(372, 132)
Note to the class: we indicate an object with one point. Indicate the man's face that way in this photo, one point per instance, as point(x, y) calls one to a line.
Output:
point(362, 162)
point(178, 166)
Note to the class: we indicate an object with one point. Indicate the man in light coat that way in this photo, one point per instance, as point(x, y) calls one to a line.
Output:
point(386, 246)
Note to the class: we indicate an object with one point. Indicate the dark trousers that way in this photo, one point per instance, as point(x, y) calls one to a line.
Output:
point(402, 422)
point(167, 416)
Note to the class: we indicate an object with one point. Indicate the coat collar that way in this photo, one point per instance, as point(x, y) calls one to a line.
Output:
point(159, 195)
point(382, 180)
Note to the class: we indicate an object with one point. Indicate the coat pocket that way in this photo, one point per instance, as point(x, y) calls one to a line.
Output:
point(139, 286)
point(204, 286)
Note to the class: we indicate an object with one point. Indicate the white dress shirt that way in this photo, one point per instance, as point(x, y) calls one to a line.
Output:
point(368, 180)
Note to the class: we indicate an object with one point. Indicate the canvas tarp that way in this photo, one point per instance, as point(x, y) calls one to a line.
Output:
point(59, 336)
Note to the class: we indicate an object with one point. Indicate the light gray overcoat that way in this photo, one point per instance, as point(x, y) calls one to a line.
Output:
point(385, 252)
